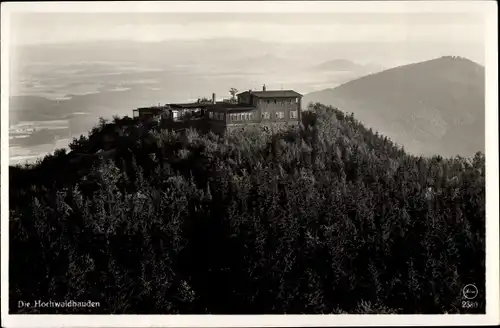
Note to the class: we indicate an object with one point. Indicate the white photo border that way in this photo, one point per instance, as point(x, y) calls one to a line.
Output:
point(487, 8)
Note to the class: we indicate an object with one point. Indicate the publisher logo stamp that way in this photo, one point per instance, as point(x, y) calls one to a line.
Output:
point(470, 292)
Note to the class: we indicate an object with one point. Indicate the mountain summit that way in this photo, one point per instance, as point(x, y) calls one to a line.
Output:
point(431, 107)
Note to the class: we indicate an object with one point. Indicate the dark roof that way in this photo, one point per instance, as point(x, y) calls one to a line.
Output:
point(273, 94)
point(219, 106)
point(189, 105)
point(222, 106)
point(152, 108)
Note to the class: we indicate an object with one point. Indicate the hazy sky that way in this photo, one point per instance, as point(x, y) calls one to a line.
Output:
point(37, 28)
point(425, 35)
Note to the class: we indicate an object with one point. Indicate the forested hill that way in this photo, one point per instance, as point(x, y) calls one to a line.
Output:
point(329, 218)
point(431, 107)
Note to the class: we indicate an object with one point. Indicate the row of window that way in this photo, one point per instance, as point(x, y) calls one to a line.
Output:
point(276, 101)
point(279, 115)
point(241, 117)
point(282, 102)
point(216, 116)
point(249, 116)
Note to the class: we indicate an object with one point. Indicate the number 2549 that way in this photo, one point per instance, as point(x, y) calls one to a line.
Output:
point(469, 305)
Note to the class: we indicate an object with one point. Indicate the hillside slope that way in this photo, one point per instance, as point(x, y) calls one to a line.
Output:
point(432, 107)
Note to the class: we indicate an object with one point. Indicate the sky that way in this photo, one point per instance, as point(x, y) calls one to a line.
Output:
point(36, 28)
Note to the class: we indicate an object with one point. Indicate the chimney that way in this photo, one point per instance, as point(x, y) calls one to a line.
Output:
point(264, 87)
point(213, 98)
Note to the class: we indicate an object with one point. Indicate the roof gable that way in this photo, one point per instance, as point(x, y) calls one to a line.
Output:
point(273, 94)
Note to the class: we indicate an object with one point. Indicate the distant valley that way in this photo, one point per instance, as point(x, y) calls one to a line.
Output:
point(77, 92)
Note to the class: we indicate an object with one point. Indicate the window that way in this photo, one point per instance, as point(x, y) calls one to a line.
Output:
point(221, 116)
point(275, 101)
point(239, 117)
point(250, 116)
point(296, 100)
point(210, 115)
point(293, 114)
point(265, 115)
point(280, 115)
point(267, 101)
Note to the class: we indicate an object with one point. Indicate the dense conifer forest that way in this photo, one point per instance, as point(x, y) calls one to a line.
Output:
point(327, 218)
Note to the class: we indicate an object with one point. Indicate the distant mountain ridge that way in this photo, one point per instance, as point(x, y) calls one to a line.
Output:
point(339, 65)
point(207, 50)
point(431, 107)
point(344, 65)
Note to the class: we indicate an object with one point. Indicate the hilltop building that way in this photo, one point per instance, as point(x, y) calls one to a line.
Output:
point(271, 108)
point(174, 112)
point(268, 108)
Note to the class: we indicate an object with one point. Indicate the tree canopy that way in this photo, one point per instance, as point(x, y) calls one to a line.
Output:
point(327, 218)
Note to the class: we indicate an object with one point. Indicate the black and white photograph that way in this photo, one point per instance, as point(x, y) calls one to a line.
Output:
point(249, 158)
